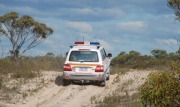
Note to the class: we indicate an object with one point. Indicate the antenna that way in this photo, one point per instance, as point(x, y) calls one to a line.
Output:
point(83, 38)
point(95, 39)
point(76, 38)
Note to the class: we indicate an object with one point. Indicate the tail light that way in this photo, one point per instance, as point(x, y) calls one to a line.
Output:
point(67, 67)
point(99, 68)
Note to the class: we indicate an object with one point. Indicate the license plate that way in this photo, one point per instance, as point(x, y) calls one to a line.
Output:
point(82, 69)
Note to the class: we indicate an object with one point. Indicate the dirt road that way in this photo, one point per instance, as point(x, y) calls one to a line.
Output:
point(78, 95)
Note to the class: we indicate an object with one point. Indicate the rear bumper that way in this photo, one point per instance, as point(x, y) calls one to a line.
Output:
point(81, 76)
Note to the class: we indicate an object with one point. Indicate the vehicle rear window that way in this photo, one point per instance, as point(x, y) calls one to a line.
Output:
point(84, 56)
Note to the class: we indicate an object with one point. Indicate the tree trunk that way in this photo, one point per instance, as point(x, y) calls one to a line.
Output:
point(15, 54)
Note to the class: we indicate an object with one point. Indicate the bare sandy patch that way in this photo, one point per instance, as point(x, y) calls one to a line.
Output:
point(53, 94)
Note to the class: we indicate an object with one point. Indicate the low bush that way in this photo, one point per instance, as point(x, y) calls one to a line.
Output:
point(162, 89)
point(120, 101)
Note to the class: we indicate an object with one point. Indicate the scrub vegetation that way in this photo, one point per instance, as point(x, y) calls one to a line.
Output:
point(159, 60)
point(27, 68)
point(161, 88)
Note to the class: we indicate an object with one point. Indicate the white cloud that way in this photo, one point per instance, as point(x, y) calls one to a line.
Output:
point(53, 42)
point(80, 26)
point(48, 42)
point(133, 26)
point(24, 9)
point(116, 12)
point(97, 13)
point(105, 44)
point(166, 41)
point(138, 24)
point(118, 40)
point(83, 10)
point(111, 12)
point(69, 13)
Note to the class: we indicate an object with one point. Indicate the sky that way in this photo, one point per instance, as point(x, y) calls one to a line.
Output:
point(139, 25)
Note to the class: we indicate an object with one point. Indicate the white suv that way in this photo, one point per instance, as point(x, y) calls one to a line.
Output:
point(87, 62)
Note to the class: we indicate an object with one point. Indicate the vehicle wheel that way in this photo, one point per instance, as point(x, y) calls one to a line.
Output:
point(108, 76)
point(102, 83)
point(66, 82)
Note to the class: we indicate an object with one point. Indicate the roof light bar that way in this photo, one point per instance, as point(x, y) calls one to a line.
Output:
point(87, 43)
point(94, 43)
point(77, 43)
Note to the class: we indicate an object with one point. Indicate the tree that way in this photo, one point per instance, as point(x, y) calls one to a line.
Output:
point(50, 54)
point(159, 53)
point(23, 32)
point(1, 32)
point(175, 5)
point(134, 53)
point(178, 51)
point(120, 59)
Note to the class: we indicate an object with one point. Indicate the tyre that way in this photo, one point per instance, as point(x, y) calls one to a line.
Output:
point(108, 76)
point(66, 82)
point(102, 83)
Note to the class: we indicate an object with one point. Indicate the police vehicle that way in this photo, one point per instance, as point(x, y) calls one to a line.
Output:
point(87, 62)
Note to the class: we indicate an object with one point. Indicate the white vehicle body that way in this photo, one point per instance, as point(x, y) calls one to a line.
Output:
point(86, 62)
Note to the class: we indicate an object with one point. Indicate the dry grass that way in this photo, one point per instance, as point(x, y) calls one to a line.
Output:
point(31, 64)
point(15, 90)
point(126, 93)
point(119, 70)
point(1, 82)
point(121, 101)
point(15, 76)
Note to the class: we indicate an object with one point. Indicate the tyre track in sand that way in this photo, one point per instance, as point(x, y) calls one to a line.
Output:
point(78, 95)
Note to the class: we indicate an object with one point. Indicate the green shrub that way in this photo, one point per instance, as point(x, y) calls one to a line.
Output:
point(162, 89)
point(134, 60)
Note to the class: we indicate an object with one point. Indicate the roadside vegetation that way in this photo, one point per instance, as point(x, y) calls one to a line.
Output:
point(27, 66)
point(158, 60)
point(161, 88)
point(13, 75)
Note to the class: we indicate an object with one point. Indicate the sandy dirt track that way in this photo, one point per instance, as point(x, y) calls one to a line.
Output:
point(78, 95)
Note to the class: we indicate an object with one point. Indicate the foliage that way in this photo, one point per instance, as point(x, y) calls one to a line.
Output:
point(159, 59)
point(161, 90)
point(159, 53)
point(175, 5)
point(116, 100)
point(23, 32)
point(28, 67)
point(178, 51)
